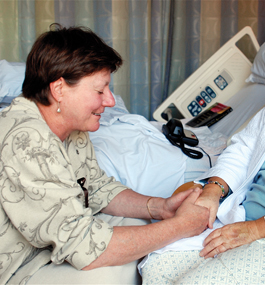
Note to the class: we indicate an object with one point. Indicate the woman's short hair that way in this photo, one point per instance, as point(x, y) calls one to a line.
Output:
point(71, 53)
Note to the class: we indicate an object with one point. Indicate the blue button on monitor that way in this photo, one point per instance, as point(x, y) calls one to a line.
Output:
point(220, 82)
point(206, 97)
point(194, 108)
point(210, 91)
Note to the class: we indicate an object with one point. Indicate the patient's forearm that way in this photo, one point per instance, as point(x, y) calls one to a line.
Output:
point(217, 188)
point(260, 228)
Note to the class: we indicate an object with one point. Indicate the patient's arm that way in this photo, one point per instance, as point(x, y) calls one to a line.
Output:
point(210, 198)
point(233, 235)
point(186, 186)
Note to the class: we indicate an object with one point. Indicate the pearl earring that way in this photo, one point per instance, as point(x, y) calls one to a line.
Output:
point(58, 109)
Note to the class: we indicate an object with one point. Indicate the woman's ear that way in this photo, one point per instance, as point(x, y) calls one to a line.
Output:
point(56, 88)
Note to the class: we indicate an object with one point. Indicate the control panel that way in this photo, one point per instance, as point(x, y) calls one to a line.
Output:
point(208, 93)
point(216, 80)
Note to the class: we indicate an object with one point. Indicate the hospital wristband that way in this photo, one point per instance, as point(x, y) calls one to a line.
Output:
point(219, 184)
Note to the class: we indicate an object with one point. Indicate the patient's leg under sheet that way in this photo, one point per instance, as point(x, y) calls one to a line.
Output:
point(66, 274)
point(241, 265)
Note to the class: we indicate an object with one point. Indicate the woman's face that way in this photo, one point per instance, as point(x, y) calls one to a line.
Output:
point(86, 101)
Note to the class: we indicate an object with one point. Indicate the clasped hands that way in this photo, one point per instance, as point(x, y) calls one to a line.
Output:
point(229, 236)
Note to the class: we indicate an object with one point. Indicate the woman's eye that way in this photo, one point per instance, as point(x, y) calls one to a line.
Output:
point(100, 92)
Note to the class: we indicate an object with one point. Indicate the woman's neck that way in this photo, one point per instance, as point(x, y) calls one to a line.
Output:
point(54, 120)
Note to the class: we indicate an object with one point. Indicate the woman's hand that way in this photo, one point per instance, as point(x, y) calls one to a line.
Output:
point(183, 206)
point(171, 204)
point(194, 217)
point(162, 209)
point(209, 198)
point(231, 236)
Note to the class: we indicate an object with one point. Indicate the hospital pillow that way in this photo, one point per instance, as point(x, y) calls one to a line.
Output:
point(11, 79)
point(258, 68)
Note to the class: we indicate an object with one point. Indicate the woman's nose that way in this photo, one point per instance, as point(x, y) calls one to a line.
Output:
point(109, 100)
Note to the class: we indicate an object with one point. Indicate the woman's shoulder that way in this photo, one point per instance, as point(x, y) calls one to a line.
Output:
point(22, 110)
point(23, 117)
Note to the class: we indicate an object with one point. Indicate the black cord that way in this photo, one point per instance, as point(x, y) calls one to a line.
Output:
point(192, 153)
point(210, 161)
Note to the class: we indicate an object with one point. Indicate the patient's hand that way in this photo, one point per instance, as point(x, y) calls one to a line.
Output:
point(211, 202)
point(210, 199)
point(194, 217)
point(231, 236)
